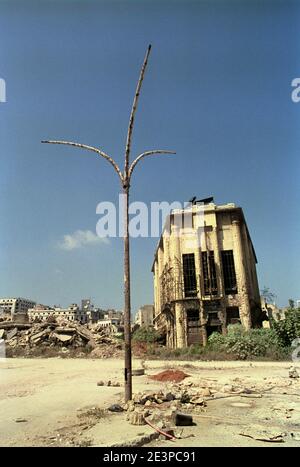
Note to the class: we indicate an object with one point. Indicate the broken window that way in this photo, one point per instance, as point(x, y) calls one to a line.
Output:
point(209, 273)
point(189, 275)
point(232, 315)
point(193, 315)
point(229, 272)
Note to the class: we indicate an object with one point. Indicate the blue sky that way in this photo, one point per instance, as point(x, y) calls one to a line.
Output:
point(217, 90)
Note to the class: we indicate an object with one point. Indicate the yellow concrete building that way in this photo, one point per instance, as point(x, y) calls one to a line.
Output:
point(204, 274)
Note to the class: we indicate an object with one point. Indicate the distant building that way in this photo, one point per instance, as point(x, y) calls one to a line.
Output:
point(111, 326)
point(15, 305)
point(95, 315)
point(86, 304)
point(272, 311)
point(205, 274)
point(144, 316)
point(72, 313)
point(114, 314)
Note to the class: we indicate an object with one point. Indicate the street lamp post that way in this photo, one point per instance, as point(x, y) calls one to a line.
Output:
point(125, 179)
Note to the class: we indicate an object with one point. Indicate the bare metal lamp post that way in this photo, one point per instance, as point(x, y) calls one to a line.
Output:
point(125, 178)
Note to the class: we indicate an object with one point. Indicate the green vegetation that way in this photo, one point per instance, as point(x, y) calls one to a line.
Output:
point(145, 334)
point(247, 344)
point(288, 329)
point(238, 344)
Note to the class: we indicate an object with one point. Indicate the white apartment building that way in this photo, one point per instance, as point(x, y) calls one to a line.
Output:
point(72, 313)
point(15, 305)
point(145, 316)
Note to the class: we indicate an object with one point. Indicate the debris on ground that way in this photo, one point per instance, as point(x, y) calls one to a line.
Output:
point(293, 373)
point(136, 418)
point(138, 372)
point(170, 375)
point(165, 410)
point(60, 337)
point(264, 435)
point(183, 419)
point(115, 408)
point(91, 415)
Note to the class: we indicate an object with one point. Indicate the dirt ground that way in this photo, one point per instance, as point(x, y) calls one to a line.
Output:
point(50, 402)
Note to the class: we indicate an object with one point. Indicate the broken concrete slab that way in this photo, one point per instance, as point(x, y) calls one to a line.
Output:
point(11, 334)
point(63, 337)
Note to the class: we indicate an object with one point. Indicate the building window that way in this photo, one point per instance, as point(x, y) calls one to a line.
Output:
point(189, 275)
point(232, 315)
point(229, 272)
point(209, 273)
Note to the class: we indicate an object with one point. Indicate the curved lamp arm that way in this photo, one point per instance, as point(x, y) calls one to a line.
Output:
point(144, 154)
point(133, 110)
point(90, 148)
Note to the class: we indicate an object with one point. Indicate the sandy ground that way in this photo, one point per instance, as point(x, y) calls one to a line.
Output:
point(41, 401)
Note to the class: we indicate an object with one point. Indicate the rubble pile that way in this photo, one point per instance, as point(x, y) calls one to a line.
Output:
point(165, 409)
point(61, 335)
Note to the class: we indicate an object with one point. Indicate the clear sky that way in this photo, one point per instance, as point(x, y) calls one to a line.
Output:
point(217, 90)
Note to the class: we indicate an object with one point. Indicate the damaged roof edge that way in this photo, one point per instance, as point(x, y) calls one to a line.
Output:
point(209, 208)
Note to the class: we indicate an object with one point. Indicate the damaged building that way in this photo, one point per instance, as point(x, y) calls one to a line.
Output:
point(204, 274)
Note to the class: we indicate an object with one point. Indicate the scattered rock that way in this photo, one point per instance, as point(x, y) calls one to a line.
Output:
point(183, 420)
point(206, 392)
point(295, 436)
point(185, 398)
point(293, 373)
point(100, 383)
point(227, 388)
point(11, 334)
point(169, 397)
point(160, 424)
point(129, 406)
point(115, 408)
point(136, 418)
point(21, 420)
point(198, 401)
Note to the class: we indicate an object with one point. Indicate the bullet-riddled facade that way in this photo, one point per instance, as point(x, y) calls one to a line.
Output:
point(205, 274)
